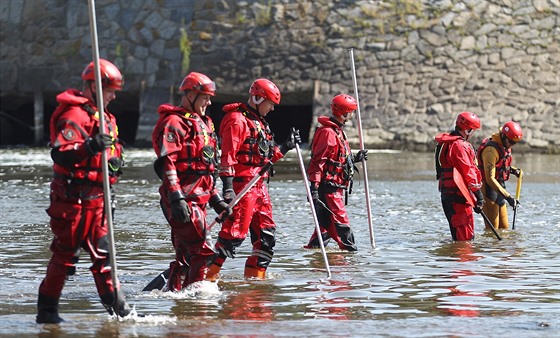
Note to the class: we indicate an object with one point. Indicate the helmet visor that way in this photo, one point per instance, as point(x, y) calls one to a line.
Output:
point(348, 115)
point(209, 88)
point(113, 83)
point(510, 141)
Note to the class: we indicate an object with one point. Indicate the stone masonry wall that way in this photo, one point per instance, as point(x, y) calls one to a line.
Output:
point(418, 63)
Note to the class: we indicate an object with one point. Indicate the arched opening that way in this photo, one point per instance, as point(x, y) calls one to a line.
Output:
point(126, 108)
point(16, 120)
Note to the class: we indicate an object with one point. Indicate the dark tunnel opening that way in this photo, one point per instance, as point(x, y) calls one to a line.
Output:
point(17, 118)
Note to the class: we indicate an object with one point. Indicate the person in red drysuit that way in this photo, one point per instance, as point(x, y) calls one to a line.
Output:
point(330, 172)
point(185, 144)
point(454, 151)
point(76, 198)
point(247, 145)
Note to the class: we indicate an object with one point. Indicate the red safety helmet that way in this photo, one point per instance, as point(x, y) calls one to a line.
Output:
point(343, 104)
point(199, 83)
point(111, 76)
point(512, 131)
point(467, 120)
point(267, 89)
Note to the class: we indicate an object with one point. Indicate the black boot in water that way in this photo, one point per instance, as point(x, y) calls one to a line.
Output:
point(47, 310)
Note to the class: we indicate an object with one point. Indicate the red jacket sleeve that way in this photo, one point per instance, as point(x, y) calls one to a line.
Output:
point(462, 157)
point(233, 131)
point(171, 142)
point(324, 147)
point(70, 137)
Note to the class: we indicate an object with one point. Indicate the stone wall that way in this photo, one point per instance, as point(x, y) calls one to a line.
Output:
point(418, 63)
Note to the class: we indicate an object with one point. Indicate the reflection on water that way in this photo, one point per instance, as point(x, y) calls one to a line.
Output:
point(461, 301)
point(415, 283)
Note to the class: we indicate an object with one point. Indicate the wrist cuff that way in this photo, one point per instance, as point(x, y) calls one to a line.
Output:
point(227, 182)
point(175, 195)
point(214, 200)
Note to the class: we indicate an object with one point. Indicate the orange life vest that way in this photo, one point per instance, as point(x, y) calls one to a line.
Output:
point(503, 165)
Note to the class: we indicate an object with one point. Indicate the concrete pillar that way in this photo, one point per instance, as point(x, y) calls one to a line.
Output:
point(150, 99)
point(38, 118)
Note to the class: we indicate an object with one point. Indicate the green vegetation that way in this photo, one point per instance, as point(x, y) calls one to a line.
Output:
point(118, 50)
point(70, 49)
point(388, 17)
point(264, 15)
point(240, 18)
point(186, 47)
point(402, 8)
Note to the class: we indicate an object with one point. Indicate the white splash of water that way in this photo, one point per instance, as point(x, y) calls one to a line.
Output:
point(197, 290)
point(135, 317)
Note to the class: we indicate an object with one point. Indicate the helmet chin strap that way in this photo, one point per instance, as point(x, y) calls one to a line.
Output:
point(347, 117)
point(466, 134)
point(193, 101)
point(257, 102)
point(93, 93)
point(505, 141)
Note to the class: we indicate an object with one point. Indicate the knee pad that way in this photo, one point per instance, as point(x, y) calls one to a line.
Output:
point(226, 247)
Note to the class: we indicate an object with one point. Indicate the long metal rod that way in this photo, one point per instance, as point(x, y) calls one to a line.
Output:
point(517, 195)
point(309, 198)
point(104, 163)
point(242, 193)
point(360, 134)
point(460, 182)
point(160, 280)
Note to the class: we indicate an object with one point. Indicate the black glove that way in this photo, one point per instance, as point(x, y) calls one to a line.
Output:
point(114, 164)
point(180, 211)
point(227, 189)
point(99, 143)
point(512, 201)
point(314, 187)
point(361, 155)
point(219, 206)
point(317, 203)
point(515, 171)
point(290, 142)
point(479, 201)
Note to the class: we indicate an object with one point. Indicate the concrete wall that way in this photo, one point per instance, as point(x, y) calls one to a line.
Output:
point(418, 63)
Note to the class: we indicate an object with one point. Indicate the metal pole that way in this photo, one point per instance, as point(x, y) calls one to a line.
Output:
point(309, 198)
point(517, 195)
point(460, 182)
point(38, 116)
point(366, 183)
point(242, 193)
point(104, 163)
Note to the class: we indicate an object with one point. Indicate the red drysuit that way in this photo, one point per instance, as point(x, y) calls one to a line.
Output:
point(186, 146)
point(453, 151)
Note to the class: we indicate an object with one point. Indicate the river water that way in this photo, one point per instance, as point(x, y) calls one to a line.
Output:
point(415, 283)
